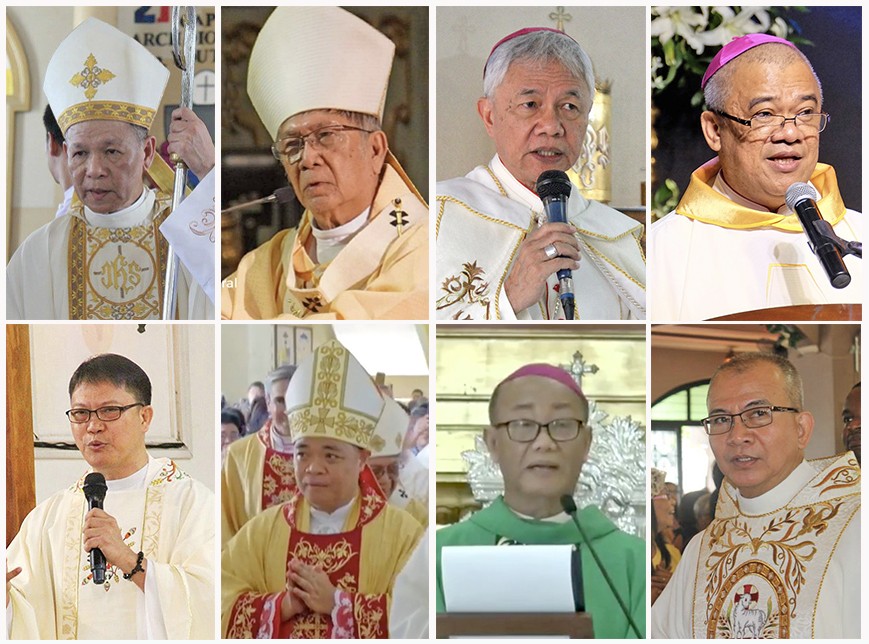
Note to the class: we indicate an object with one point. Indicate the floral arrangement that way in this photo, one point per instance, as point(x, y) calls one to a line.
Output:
point(684, 41)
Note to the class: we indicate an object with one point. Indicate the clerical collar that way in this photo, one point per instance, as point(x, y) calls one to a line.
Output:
point(561, 517)
point(133, 215)
point(280, 442)
point(518, 191)
point(325, 523)
point(722, 187)
point(135, 481)
point(780, 495)
point(328, 243)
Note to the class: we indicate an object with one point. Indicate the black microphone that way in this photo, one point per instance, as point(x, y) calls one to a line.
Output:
point(95, 489)
point(800, 199)
point(569, 506)
point(553, 188)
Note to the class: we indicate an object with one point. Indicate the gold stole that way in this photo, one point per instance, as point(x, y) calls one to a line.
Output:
point(279, 476)
point(117, 273)
point(759, 576)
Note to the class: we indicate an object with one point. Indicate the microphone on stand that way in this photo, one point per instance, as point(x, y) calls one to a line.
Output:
point(95, 489)
point(827, 246)
point(281, 196)
point(569, 506)
point(553, 187)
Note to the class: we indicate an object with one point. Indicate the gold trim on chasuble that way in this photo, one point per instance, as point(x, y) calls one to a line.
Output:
point(279, 476)
point(73, 545)
point(117, 273)
point(762, 575)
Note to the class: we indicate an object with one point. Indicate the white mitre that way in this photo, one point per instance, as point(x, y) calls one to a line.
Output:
point(310, 58)
point(100, 73)
point(390, 430)
point(332, 396)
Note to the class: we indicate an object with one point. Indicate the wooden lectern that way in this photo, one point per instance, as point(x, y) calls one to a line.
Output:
point(799, 313)
point(572, 625)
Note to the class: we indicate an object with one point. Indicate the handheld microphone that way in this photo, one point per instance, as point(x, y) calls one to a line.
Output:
point(569, 506)
point(553, 188)
point(800, 198)
point(95, 489)
point(281, 195)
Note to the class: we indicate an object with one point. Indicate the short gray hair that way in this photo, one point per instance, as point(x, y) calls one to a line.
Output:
point(742, 362)
point(718, 87)
point(538, 47)
point(284, 372)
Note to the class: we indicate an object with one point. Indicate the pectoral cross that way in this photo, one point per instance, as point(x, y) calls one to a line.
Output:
point(399, 217)
point(312, 303)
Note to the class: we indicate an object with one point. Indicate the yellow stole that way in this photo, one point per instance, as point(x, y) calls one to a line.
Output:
point(703, 203)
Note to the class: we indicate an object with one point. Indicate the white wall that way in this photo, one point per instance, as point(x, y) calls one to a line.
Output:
point(614, 38)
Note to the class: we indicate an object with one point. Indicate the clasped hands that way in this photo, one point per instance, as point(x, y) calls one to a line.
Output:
point(308, 589)
point(526, 281)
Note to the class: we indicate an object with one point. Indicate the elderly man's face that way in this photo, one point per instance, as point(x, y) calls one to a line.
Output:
point(538, 473)
point(327, 471)
point(851, 419)
point(115, 448)
point(762, 167)
point(757, 460)
point(386, 471)
point(277, 406)
point(337, 184)
point(107, 163)
point(537, 116)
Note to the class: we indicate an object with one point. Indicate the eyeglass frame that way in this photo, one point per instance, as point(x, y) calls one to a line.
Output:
point(540, 427)
point(91, 412)
point(771, 409)
point(785, 119)
point(304, 139)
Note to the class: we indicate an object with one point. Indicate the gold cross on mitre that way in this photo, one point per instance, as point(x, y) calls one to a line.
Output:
point(91, 77)
point(560, 17)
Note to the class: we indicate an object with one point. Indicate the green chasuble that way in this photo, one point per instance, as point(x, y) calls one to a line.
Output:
point(623, 556)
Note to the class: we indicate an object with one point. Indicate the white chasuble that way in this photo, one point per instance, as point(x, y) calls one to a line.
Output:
point(767, 574)
point(165, 514)
point(86, 265)
point(482, 219)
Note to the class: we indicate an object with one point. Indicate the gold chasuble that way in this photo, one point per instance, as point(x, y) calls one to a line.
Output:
point(117, 273)
point(255, 477)
point(763, 576)
point(362, 562)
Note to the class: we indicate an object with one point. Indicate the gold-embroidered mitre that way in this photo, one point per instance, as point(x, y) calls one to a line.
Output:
point(100, 73)
point(311, 58)
point(390, 430)
point(332, 396)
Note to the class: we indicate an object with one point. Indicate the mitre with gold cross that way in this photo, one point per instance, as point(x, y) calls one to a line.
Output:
point(100, 73)
point(332, 396)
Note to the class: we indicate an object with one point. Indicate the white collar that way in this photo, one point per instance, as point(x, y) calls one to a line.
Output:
point(323, 522)
point(280, 442)
point(136, 214)
point(780, 495)
point(135, 481)
point(722, 187)
point(328, 243)
point(561, 517)
point(517, 191)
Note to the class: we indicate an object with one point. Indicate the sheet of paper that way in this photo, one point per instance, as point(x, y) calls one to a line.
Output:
point(507, 579)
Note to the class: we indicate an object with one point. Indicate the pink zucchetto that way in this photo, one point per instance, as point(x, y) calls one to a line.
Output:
point(522, 32)
point(736, 47)
point(547, 371)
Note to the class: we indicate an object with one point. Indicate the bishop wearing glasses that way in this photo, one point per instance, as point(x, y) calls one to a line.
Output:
point(539, 437)
point(781, 558)
point(318, 78)
point(733, 244)
point(155, 529)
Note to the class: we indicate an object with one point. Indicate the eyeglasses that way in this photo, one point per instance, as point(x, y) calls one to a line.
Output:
point(765, 123)
point(382, 470)
point(751, 418)
point(105, 414)
point(527, 431)
point(328, 137)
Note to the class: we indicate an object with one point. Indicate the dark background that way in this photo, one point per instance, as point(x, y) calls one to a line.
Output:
point(835, 53)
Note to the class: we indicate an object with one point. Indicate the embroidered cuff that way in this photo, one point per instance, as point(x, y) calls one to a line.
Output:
point(342, 616)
